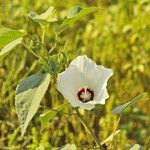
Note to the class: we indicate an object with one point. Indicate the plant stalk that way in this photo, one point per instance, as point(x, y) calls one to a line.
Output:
point(89, 129)
point(43, 34)
point(33, 53)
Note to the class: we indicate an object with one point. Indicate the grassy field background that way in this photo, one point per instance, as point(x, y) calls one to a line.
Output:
point(116, 36)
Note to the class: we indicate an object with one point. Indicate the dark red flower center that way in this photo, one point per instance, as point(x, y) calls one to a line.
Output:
point(85, 95)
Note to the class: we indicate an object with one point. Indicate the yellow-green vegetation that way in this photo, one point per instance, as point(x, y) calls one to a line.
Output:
point(117, 36)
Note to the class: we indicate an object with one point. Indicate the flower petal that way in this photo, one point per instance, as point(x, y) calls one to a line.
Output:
point(68, 83)
point(97, 76)
point(86, 106)
point(104, 75)
point(89, 69)
point(101, 98)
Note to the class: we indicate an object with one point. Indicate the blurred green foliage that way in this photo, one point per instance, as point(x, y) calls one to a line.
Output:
point(116, 36)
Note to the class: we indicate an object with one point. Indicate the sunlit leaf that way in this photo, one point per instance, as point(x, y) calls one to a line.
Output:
point(137, 147)
point(121, 108)
point(110, 138)
point(28, 96)
point(46, 17)
point(46, 117)
point(73, 15)
point(8, 35)
point(10, 46)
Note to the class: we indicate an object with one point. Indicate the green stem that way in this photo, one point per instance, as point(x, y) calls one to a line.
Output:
point(43, 34)
point(114, 131)
point(33, 53)
point(116, 126)
point(89, 129)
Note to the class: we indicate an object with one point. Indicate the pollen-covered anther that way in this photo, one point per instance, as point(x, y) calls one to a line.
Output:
point(85, 95)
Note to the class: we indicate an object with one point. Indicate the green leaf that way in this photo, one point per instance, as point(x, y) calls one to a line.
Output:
point(9, 35)
point(110, 138)
point(121, 108)
point(73, 11)
point(46, 17)
point(46, 117)
point(137, 147)
point(10, 46)
point(28, 96)
point(73, 15)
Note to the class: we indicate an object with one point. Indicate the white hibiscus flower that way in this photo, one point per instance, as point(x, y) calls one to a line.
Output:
point(84, 83)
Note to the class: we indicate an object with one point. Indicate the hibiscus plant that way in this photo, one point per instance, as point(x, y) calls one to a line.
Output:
point(82, 83)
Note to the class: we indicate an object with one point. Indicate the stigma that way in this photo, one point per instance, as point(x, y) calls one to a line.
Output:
point(85, 95)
